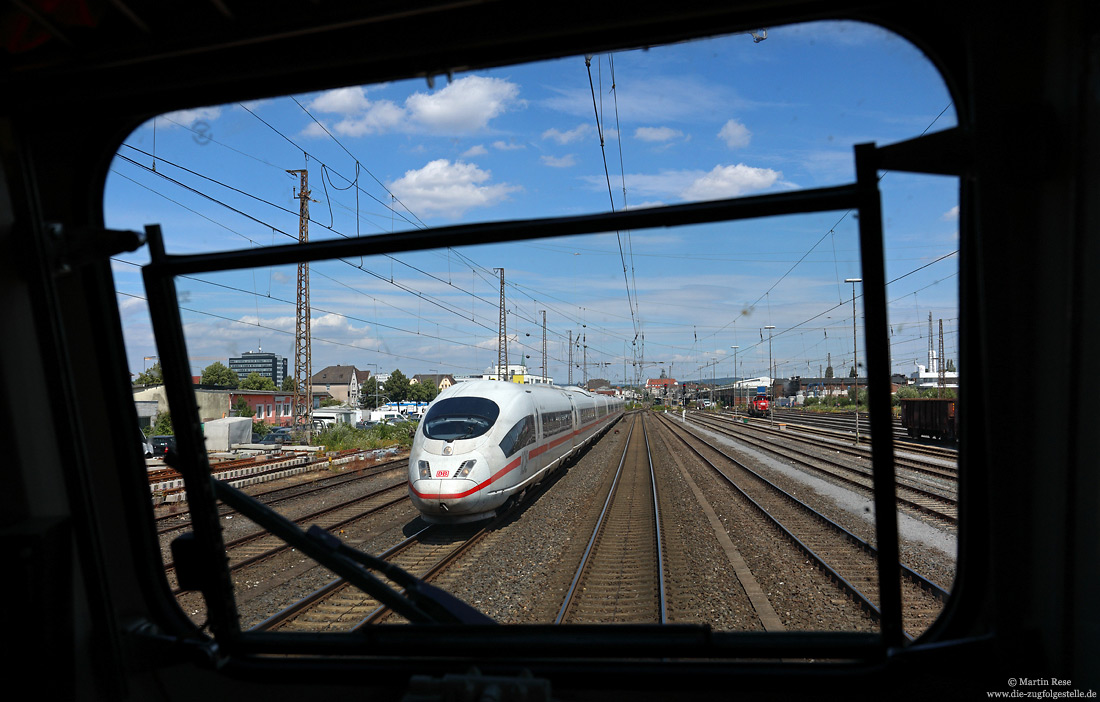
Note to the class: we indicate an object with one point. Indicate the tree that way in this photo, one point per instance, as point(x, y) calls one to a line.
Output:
point(853, 373)
point(288, 384)
point(242, 408)
point(423, 392)
point(153, 376)
point(255, 381)
point(829, 372)
point(368, 391)
point(397, 387)
point(217, 373)
point(950, 365)
point(162, 425)
point(907, 392)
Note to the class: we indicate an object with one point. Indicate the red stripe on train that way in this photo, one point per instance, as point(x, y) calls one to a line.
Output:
point(506, 469)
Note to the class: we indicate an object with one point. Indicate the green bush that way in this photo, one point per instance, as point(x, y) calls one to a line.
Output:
point(343, 437)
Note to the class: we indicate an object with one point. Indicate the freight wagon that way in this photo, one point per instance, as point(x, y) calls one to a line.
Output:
point(931, 416)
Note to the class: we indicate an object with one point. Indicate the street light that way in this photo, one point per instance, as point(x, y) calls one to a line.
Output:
point(771, 378)
point(738, 394)
point(855, 352)
point(377, 368)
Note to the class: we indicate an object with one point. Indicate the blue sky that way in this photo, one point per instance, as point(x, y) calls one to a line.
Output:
point(695, 121)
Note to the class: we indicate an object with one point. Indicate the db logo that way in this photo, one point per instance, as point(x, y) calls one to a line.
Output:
point(442, 473)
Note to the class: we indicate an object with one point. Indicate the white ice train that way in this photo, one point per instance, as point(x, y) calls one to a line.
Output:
point(483, 441)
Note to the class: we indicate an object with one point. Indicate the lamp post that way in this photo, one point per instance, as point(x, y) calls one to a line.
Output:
point(376, 368)
point(737, 396)
point(855, 352)
point(771, 378)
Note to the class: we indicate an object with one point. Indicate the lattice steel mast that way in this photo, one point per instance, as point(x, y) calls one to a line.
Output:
point(303, 365)
point(941, 366)
point(570, 380)
point(502, 338)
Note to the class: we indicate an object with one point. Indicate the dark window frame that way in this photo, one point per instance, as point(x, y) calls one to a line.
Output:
point(932, 153)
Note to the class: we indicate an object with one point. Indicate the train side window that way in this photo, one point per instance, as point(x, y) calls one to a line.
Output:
point(521, 435)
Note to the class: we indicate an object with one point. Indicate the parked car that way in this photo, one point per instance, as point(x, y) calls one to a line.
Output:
point(146, 447)
point(365, 424)
point(275, 438)
point(162, 443)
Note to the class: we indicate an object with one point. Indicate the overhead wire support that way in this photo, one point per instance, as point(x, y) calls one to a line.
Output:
point(502, 337)
point(303, 365)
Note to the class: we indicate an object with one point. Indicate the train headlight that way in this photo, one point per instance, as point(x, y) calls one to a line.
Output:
point(425, 469)
point(465, 468)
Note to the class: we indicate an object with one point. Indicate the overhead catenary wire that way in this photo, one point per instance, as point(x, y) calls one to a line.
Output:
point(519, 312)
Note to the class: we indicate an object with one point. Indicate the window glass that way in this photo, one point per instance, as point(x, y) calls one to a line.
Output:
point(519, 436)
point(692, 322)
point(460, 418)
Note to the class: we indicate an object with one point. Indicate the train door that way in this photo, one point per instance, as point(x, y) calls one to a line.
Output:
point(575, 418)
point(537, 456)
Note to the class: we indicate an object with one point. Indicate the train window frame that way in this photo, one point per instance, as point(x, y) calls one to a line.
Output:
point(440, 407)
point(930, 153)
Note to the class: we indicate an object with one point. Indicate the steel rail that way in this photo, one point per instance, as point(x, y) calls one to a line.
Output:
point(865, 474)
point(595, 531)
point(860, 598)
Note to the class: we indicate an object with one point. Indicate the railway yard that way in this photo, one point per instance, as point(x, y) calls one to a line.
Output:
point(706, 519)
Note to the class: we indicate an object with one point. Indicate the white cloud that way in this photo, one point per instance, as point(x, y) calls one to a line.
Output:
point(478, 150)
point(578, 132)
point(508, 146)
point(657, 133)
point(951, 214)
point(382, 116)
point(735, 134)
point(563, 162)
point(646, 204)
point(344, 101)
point(442, 188)
point(657, 100)
point(465, 106)
point(722, 181)
point(731, 181)
point(187, 118)
point(313, 129)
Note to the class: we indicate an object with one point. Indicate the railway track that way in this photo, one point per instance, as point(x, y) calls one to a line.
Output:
point(426, 555)
point(841, 426)
point(850, 561)
point(168, 523)
point(260, 545)
point(621, 575)
point(340, 607)
point(938, 464)
point(941, 504)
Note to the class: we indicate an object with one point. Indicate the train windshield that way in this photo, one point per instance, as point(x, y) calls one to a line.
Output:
point(460, 418)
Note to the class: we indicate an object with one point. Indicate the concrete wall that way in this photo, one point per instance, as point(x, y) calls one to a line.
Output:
point(221, 434)
point(213, 404)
